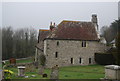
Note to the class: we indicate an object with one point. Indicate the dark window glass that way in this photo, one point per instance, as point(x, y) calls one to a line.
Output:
point(80, 61)
point(71, 60)
point(57, 43)
point(56, 54)
point(83, 43)
point(89, 60)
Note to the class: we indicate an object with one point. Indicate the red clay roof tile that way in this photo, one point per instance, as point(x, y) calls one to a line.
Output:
point(75, 30)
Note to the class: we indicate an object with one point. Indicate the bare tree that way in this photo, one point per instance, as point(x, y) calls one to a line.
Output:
point(109, 33)
point(18, 43)
point(7, 42)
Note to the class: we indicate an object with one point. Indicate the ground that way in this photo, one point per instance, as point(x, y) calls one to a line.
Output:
point(72, 72)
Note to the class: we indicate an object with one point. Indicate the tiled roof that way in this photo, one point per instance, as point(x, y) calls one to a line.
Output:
point(40, 45)
point(75, 30)
point(43, 33)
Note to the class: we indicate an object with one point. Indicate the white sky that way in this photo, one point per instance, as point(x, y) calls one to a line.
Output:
point(0, 14)
point(60, 0)
point(119, 9)
point(39, 14)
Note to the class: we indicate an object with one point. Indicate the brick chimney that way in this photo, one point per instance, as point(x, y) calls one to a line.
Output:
point(52, 26)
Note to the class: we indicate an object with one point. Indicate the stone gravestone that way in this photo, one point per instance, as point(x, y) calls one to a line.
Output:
point(36, 65)
point(55, 72)
point(21, 71)
point(29, 68)
point(112, 72)
point(41, 70)
point(12, 61)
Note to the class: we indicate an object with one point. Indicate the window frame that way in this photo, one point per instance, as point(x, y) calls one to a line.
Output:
point(80, 60)
point(56, 54)
point(90, 60)
point(71, 60)
point(57, 43)
point(84, 44)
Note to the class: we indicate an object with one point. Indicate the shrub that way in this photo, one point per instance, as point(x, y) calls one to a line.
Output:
point(104, 58)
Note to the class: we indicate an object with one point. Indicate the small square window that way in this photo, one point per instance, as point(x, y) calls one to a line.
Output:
point(83, 43)
point(57, 43)
point(71, 60)
point(80, 61)
point(56, 54)
point(90, 60)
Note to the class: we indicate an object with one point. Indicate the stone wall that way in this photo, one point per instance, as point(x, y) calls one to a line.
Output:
point(112, 72)
point(38, 53)
point(68, 50)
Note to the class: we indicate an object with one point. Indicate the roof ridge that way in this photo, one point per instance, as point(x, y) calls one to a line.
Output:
point(43, 29)
point(74, 21)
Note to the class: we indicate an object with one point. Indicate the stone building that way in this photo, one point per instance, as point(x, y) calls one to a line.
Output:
point(70, 43)
point(40, 46)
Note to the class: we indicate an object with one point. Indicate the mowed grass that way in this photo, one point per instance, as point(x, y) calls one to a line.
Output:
point(72, 72)
point(22, 61)
point(82, 72)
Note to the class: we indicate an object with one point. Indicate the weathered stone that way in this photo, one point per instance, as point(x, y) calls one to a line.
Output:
point(30, 68)
point(112, 72)
point(41, 70)
point(12, 61)
point(36, 65)
point(21, 71)
point(54, 72)
point(68, 49)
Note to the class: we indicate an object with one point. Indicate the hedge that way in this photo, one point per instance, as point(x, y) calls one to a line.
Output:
point(104, 59)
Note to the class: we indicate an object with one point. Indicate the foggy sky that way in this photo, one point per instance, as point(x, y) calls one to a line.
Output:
point(0, 14)
point(39, 14)
point(119, 9)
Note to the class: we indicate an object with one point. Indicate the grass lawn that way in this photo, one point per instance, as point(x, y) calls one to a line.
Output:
point(22, 61)
point(72, 72)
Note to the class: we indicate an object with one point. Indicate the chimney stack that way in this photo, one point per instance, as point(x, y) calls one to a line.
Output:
point(54, 24)
point(51, 26)
point(50, 23)
point(94, 20)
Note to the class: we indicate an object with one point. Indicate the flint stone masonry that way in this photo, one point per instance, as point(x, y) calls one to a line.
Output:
point(68, 49)
point(112, 72)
